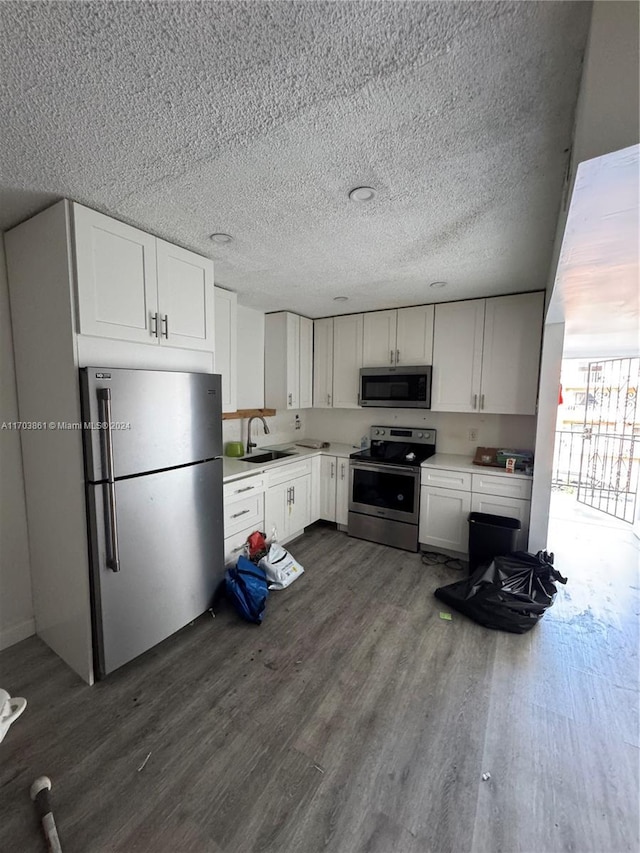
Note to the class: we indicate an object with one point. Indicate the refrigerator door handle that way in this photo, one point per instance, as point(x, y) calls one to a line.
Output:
point(104, 401)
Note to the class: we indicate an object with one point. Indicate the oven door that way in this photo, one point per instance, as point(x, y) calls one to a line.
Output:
point(385, 491)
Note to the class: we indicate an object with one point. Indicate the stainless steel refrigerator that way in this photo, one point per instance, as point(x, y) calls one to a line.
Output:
point(153, 472)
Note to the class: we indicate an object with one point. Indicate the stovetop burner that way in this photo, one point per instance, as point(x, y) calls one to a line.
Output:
point(398, 446)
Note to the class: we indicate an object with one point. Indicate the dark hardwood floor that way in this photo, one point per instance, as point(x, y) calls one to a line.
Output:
point(354, 720)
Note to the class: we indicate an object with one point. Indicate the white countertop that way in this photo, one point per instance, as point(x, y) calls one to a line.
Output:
point(234, 469)
point(462, 462)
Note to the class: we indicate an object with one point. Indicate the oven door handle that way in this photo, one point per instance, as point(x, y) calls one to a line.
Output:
point(366, 466)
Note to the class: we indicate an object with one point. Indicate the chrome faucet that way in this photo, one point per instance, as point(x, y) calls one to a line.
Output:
point(252, 444)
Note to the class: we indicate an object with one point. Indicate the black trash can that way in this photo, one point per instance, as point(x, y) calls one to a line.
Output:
point(490, 536)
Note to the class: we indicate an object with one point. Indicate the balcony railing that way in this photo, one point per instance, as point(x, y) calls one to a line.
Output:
point(602, 467)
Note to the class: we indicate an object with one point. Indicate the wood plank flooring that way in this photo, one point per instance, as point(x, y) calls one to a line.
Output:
point(354, 720)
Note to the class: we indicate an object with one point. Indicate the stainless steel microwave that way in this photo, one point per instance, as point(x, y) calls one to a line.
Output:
point(401, 387)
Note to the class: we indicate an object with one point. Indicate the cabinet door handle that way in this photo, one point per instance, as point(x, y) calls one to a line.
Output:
point(165, 323)
point(246, 489)
point(397, 356)
point(342, 471)
point(328, 399)
point(332, 470)
point(390, 356)
point(475, 401)
point(154, 325)
point(482, 401)
point(238, 514)
point(290, 399)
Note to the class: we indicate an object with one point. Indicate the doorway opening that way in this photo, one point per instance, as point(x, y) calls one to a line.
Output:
point(597, 441)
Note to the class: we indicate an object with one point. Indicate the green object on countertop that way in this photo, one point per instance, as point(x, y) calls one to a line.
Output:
point(234, 448)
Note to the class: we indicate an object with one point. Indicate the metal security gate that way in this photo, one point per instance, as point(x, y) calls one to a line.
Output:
point(610, 460)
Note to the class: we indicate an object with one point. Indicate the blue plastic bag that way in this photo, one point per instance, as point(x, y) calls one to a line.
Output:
point(246, 586)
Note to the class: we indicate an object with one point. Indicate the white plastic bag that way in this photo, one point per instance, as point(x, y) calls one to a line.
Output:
point(280, 567)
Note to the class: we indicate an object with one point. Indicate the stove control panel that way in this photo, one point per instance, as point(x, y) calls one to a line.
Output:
point(408, 435)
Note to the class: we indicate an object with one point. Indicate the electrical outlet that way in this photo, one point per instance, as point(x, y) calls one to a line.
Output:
point(473, 435)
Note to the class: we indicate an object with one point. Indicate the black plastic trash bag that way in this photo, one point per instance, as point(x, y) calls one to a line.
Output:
point(508, 594)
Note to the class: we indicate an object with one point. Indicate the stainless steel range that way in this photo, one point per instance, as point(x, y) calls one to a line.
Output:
point(384, 484)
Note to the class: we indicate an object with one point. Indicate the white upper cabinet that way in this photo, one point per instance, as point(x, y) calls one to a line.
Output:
point(403, 336)
point(511, 354)
point(414, 338)
point(288, 342)
point(486, 355)
point(323, 363)
point(306, 363)
point(185, 297)
point(134, 287)
point(379, 339)
point(116, 278)
point(225, 354)
point(347, 360)
point(457, 356)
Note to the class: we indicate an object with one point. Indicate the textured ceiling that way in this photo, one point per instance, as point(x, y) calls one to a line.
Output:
point(257, 118)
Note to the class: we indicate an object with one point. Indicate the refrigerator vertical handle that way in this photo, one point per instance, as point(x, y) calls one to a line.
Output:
point(113, 556)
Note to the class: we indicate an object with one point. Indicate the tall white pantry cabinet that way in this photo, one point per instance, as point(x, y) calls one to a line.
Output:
point(86, 289)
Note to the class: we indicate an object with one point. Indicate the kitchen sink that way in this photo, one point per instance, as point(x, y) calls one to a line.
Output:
point(268, 456)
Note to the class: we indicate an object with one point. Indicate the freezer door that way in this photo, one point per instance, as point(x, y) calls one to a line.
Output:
point(158, 419)
point(170, 538)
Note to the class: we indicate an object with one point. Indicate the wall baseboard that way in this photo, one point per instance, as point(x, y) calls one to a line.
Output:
point(15, 633)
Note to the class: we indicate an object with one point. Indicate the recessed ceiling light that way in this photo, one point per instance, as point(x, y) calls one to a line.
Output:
point(340, 298)
point(438, 284)
point(221, 238)
point(362, 194)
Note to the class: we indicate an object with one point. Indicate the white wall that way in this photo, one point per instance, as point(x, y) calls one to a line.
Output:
point(349, 425)
point(16, 608)
point(607, 119)
point(250, 346)
point(281, 429)
point(545, 442)
point(608, 108)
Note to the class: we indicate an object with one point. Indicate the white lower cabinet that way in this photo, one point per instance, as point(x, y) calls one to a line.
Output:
point(327, 508)
point(288, 500)
point(243, 513)
point(234, 545)
point(334, 489)
point(448, 496)
point(444, 515)
point(510, 507)
point(342, 491)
